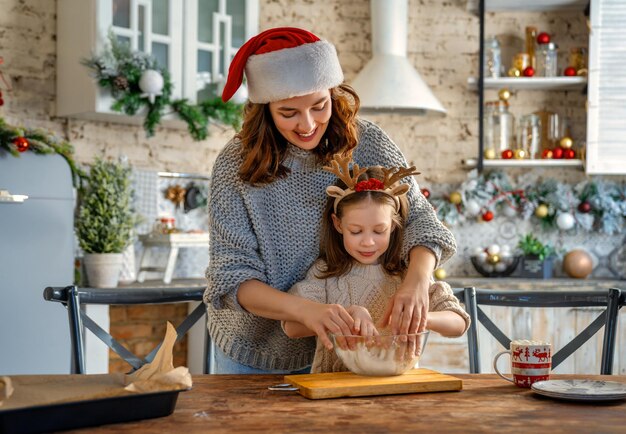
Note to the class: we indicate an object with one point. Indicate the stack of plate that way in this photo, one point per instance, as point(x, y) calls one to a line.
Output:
point(581, 390)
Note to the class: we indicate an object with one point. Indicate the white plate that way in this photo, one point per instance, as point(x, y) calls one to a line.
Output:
point(581, 390)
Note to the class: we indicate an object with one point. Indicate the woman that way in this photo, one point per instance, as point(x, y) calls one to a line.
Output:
point(267, 199)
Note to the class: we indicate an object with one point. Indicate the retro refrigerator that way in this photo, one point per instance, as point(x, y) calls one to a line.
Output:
point(36, 250)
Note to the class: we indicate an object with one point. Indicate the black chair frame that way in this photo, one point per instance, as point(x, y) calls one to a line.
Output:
point(612, 300)
point(72, 297)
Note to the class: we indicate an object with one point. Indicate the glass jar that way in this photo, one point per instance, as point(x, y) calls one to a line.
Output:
point(529, 135)
point(547, 60)
point(578, 58)
point(498, 128)
point(521, 61)
point(493, 59)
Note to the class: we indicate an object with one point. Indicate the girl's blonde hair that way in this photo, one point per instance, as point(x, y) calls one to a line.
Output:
point(264, 148)
point(332, 251)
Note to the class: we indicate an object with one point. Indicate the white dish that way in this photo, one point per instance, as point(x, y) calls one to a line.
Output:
point(581, 390)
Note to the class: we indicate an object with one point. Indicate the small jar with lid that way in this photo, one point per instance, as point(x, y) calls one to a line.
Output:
point(547, 57)
point(498, 128)
point(493, 59)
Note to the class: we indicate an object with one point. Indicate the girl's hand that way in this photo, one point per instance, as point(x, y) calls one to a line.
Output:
point(324, 318)
point(363, 323)
point(407, 311)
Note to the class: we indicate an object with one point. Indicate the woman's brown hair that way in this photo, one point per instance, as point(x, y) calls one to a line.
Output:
point(332, 251)
point(264, 148)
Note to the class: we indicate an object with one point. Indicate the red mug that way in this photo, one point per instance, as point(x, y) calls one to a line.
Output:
point(531, 361)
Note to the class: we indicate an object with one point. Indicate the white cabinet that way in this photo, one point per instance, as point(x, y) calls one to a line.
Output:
point(606, 117)
point(194, 39)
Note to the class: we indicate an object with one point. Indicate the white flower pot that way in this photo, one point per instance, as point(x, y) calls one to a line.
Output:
point(103, 269)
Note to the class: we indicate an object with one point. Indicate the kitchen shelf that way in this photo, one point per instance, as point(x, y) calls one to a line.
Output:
point(472, 163)
point(528, 5)
point(530, 83)
point(533, 163)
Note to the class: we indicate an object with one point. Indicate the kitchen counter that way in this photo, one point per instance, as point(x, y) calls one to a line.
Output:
point(521, 283)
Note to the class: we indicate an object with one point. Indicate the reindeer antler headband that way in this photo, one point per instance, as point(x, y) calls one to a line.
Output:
point(389, 185)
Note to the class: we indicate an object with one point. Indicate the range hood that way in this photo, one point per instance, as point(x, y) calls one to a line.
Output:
point(389, 82)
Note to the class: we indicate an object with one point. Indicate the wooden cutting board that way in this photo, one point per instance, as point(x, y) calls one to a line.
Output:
point(341, 384)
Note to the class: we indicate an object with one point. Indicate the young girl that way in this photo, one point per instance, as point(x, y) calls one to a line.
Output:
point(360, 264)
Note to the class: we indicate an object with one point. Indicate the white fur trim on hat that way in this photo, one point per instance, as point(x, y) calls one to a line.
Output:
point(290, 72)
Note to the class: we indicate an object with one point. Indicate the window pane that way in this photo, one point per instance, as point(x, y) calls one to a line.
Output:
point(161, 53)
point(206, 90)
point(222, 39)
point(205, 19)
point(142, 16)
point(121, 13)
point(123, 39)
point(237, 10)
point(205, 60)
point(160, 15)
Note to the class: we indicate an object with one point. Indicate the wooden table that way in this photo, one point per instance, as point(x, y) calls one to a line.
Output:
point(242, 403)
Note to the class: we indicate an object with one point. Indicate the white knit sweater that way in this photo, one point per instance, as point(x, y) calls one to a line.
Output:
point(368, 286)
point(271, 233)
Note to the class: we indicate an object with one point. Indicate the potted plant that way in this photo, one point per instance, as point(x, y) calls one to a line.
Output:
point(105, 222)
point(537, 259)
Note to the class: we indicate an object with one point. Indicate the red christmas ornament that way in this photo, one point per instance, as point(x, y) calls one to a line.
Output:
point(570, 71)
point(21, 144)
point(487, 216)
point(584, 207)
point(569, 154)
point(543, 38)
point(547, 153)
point(507, 154)
point(426, 192)
point(1, 100)
point(529, 71)
point(557, 153)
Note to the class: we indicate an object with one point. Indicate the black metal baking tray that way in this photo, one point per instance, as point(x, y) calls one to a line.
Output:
point(81, 414)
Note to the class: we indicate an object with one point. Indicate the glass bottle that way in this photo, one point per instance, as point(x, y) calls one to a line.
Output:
point(531, 37)
point(493, 59)
point(547, 60)
point(529, 135)
point(498, 128)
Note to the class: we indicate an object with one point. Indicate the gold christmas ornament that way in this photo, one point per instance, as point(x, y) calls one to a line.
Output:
point(456, 198)
point(504, 94)
point(520, 154)
point(514, 72)
point(566, 142)
point(582, 72)
point(578, 264)
point(493, 259)
point(490, 154)
point(440, 274)
point(541, 211)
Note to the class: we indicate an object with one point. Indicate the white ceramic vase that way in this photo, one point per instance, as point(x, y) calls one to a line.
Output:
point(103, 269)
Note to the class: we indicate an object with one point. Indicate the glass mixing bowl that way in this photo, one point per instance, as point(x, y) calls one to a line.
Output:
point(382, 355)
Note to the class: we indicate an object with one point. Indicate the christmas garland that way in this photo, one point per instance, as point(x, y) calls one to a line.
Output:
point(16, 140)
point(136, 81)
point(594, 205)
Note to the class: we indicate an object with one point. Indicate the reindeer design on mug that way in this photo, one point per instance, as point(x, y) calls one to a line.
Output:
point(543, 356)
point(517, 353)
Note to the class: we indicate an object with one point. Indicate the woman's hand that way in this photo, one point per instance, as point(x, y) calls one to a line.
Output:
point(324, 318)
point(408, 309)
point(363, 323)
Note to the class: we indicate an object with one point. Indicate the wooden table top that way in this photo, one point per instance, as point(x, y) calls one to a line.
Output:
point(242, 403)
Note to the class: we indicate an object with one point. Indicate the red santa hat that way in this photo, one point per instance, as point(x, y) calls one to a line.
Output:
point(282, 63)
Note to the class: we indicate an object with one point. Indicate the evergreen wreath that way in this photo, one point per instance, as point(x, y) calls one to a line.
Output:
point(16, 140)
point(119, 70)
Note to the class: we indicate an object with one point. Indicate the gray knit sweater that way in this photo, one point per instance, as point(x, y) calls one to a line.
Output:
point(271, 233)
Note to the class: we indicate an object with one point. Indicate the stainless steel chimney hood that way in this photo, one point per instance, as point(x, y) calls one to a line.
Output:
point(389, 82)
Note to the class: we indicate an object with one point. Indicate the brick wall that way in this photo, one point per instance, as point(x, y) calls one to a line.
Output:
point(443, 45)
